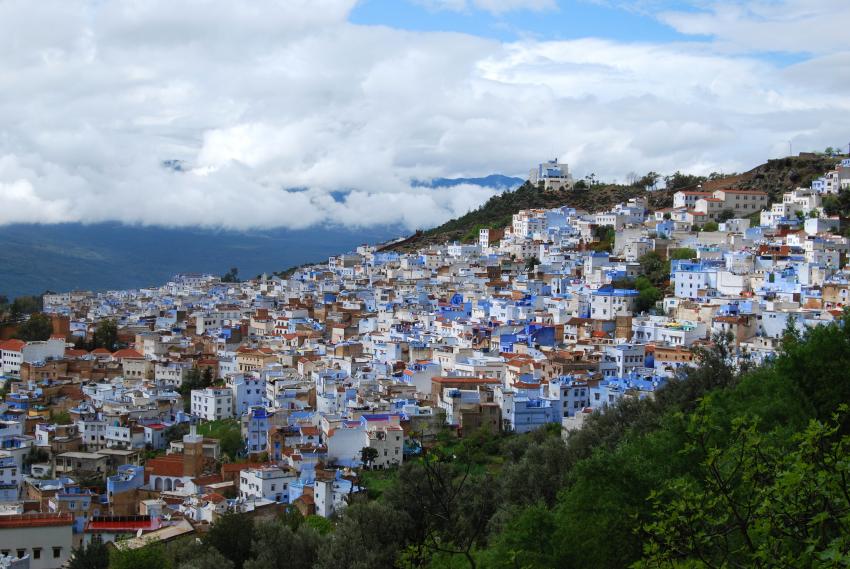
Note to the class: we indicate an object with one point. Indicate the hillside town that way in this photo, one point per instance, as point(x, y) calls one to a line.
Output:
point(149, 414)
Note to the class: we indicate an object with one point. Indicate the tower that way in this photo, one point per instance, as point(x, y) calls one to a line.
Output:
point(193, 453)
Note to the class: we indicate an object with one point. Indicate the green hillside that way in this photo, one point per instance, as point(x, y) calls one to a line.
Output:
point(774, 177)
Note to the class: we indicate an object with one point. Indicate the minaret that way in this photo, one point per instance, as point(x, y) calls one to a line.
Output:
point(193, 453)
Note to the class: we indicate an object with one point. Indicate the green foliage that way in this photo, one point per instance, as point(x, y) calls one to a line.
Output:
point(726, 215)
point(322, 526)
point(818, 364)
point(756, 500)
point(369, 536)
point(37, 327)
point(682, 253)
point(232, 536)
point(95, 555)
point(531, 263)
point(377, 481)
point(191, 553)
point(228, 433)
point(604, 236)
point(368, 456)
point(61, 418)
point(679, 180)
point(524, 541)
point(472, 235)
point(650, 179)
point(497, 212)
point(655, 269)
point(710, 226)
point(195, 379)
point(176, 432)
point(838, 204)
point(106, 334)
point(231, 276)
point(151, 555)
point(647, 299)
point(24, 305)
point(277, 546)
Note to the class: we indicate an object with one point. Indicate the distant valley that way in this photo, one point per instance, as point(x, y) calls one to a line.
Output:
point(103, 256)
point(35, 258)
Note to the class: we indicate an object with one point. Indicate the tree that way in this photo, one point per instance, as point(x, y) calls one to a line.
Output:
point(195, 379)
point(754, 502)
point(725, 215)
point(319, 524)
point(679, 180)
point(37, 328)
point(151, 555)
point(647, 298)
point(524, 541)
point(232, 535)
point(369, 536)
point(531, 263)
point(277, 546)
point(368, 456)
point(655, 268)
point(710, 226)
point(176, 432)
point(95, 555)
point(818, 361)
point(650, 180)
point(231, 276)
point(207, 377)
point(191, 553)
point(106, 334)
point(24, 305)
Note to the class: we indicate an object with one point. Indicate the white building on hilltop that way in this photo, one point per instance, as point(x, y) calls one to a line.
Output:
point(552, 174)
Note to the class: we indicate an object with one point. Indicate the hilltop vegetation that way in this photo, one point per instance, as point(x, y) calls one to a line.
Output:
point(782, 174)
point(773, 177)
point(497, 211)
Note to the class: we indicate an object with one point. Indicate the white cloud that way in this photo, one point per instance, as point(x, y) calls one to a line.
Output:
point(797, 26)
point(276, 107)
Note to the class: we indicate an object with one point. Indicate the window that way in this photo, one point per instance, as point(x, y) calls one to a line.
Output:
point(36, 553)
point(21, 553)
point(57, 551)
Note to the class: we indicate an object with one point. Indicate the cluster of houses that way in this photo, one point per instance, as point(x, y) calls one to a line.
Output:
point(362, 361)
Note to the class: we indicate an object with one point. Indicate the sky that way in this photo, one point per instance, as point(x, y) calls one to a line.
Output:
point(299, 113)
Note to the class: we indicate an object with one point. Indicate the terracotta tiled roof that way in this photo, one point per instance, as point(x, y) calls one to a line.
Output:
point(128, 353)
point(165, 466)
point(12, 345)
